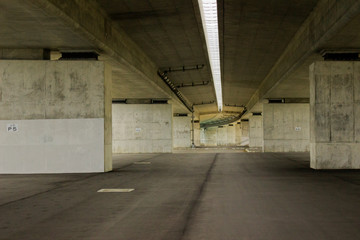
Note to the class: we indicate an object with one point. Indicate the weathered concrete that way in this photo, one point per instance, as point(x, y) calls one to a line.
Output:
point(334, 113)
point(208, 136)
point(286, 127)
point(237, 133)
point(181, 132)
point(63, 114)
point(88, 20)
point(220, 136)
point(197, 133)
point(327, 18)
point(142, 128)
point(244, 133)
point(256, 132)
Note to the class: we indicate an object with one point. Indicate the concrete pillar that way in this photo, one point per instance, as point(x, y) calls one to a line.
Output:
point(221, 136)
point(256, 132)
point(197, 133)
point(181, 132)
point(244, 132)
point(335, 115)
point(286, 127)
point(55, 116)
point(209, 137)
point(231, 134)
point(142, 128)
point(237, 133)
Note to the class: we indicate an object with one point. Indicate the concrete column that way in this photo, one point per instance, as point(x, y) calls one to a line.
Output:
point(231, 134)
point(286, 127)
point(209, 137)
point(55, 116)
point(197, 133)
point(222, 136)
point(256, 132)
point(142, 128)
point(237, 133)
point(244, 133)
point(219, 136)
point(181, 132)
point(335, 115)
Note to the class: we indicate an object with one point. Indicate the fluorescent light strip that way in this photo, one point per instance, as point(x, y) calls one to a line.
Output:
point(209, 16)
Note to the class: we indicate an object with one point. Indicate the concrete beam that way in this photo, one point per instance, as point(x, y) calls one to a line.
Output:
point(24, 54)
point(327, 18)
point(87, 19)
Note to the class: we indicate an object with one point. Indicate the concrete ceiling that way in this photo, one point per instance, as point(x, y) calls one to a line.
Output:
point(170, 34)
point(24, 25)
point(254, 36)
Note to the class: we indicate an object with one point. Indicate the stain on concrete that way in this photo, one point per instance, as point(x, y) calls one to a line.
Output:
point(58, 86)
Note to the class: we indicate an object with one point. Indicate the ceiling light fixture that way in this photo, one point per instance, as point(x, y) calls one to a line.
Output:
point(209, 16)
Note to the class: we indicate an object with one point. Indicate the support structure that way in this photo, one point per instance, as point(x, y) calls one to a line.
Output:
point(55, 116)
point(256, 139)
point(335, 115)
point(286, 127)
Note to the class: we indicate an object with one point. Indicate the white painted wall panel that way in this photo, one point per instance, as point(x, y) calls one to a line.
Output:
point(52, 146)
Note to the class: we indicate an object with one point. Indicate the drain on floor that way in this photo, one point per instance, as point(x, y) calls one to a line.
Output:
point(142, 163)
point(119, 190)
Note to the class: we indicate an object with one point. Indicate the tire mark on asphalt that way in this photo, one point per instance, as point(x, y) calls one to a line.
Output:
point(195, 204)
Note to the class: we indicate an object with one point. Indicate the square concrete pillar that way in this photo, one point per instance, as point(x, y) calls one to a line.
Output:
point(181, 132)
point(55, 116)
point(334, 114)
point(286, 127)
point(237, 133)
point(244, 133)
point(256, 139)
point(142, 128)
point(197, 133)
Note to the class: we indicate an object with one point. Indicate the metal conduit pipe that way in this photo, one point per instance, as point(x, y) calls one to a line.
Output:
point(184, 68)
point(203, 83)
point(175, 90)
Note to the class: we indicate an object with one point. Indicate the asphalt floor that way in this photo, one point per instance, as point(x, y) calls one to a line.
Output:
point(186, 196)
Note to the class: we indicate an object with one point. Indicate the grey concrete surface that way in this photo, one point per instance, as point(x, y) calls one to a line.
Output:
point(286, 127)
point(186, 196)
point(142, 128)
point(334, 115)
point(256, 132)
point(63, 113)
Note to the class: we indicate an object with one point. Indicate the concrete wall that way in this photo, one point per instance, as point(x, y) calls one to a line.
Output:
point(237, 133)
point(215, 136)
point(286, 127)
point(197, 133)
point(60, 110)
point(208, 137)
point(142, 128)
point(335, 115)
point(244, 133)
point(256, 132)
point(181, 132)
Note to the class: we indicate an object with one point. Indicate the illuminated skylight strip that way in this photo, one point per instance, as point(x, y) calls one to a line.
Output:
point(209, 16)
